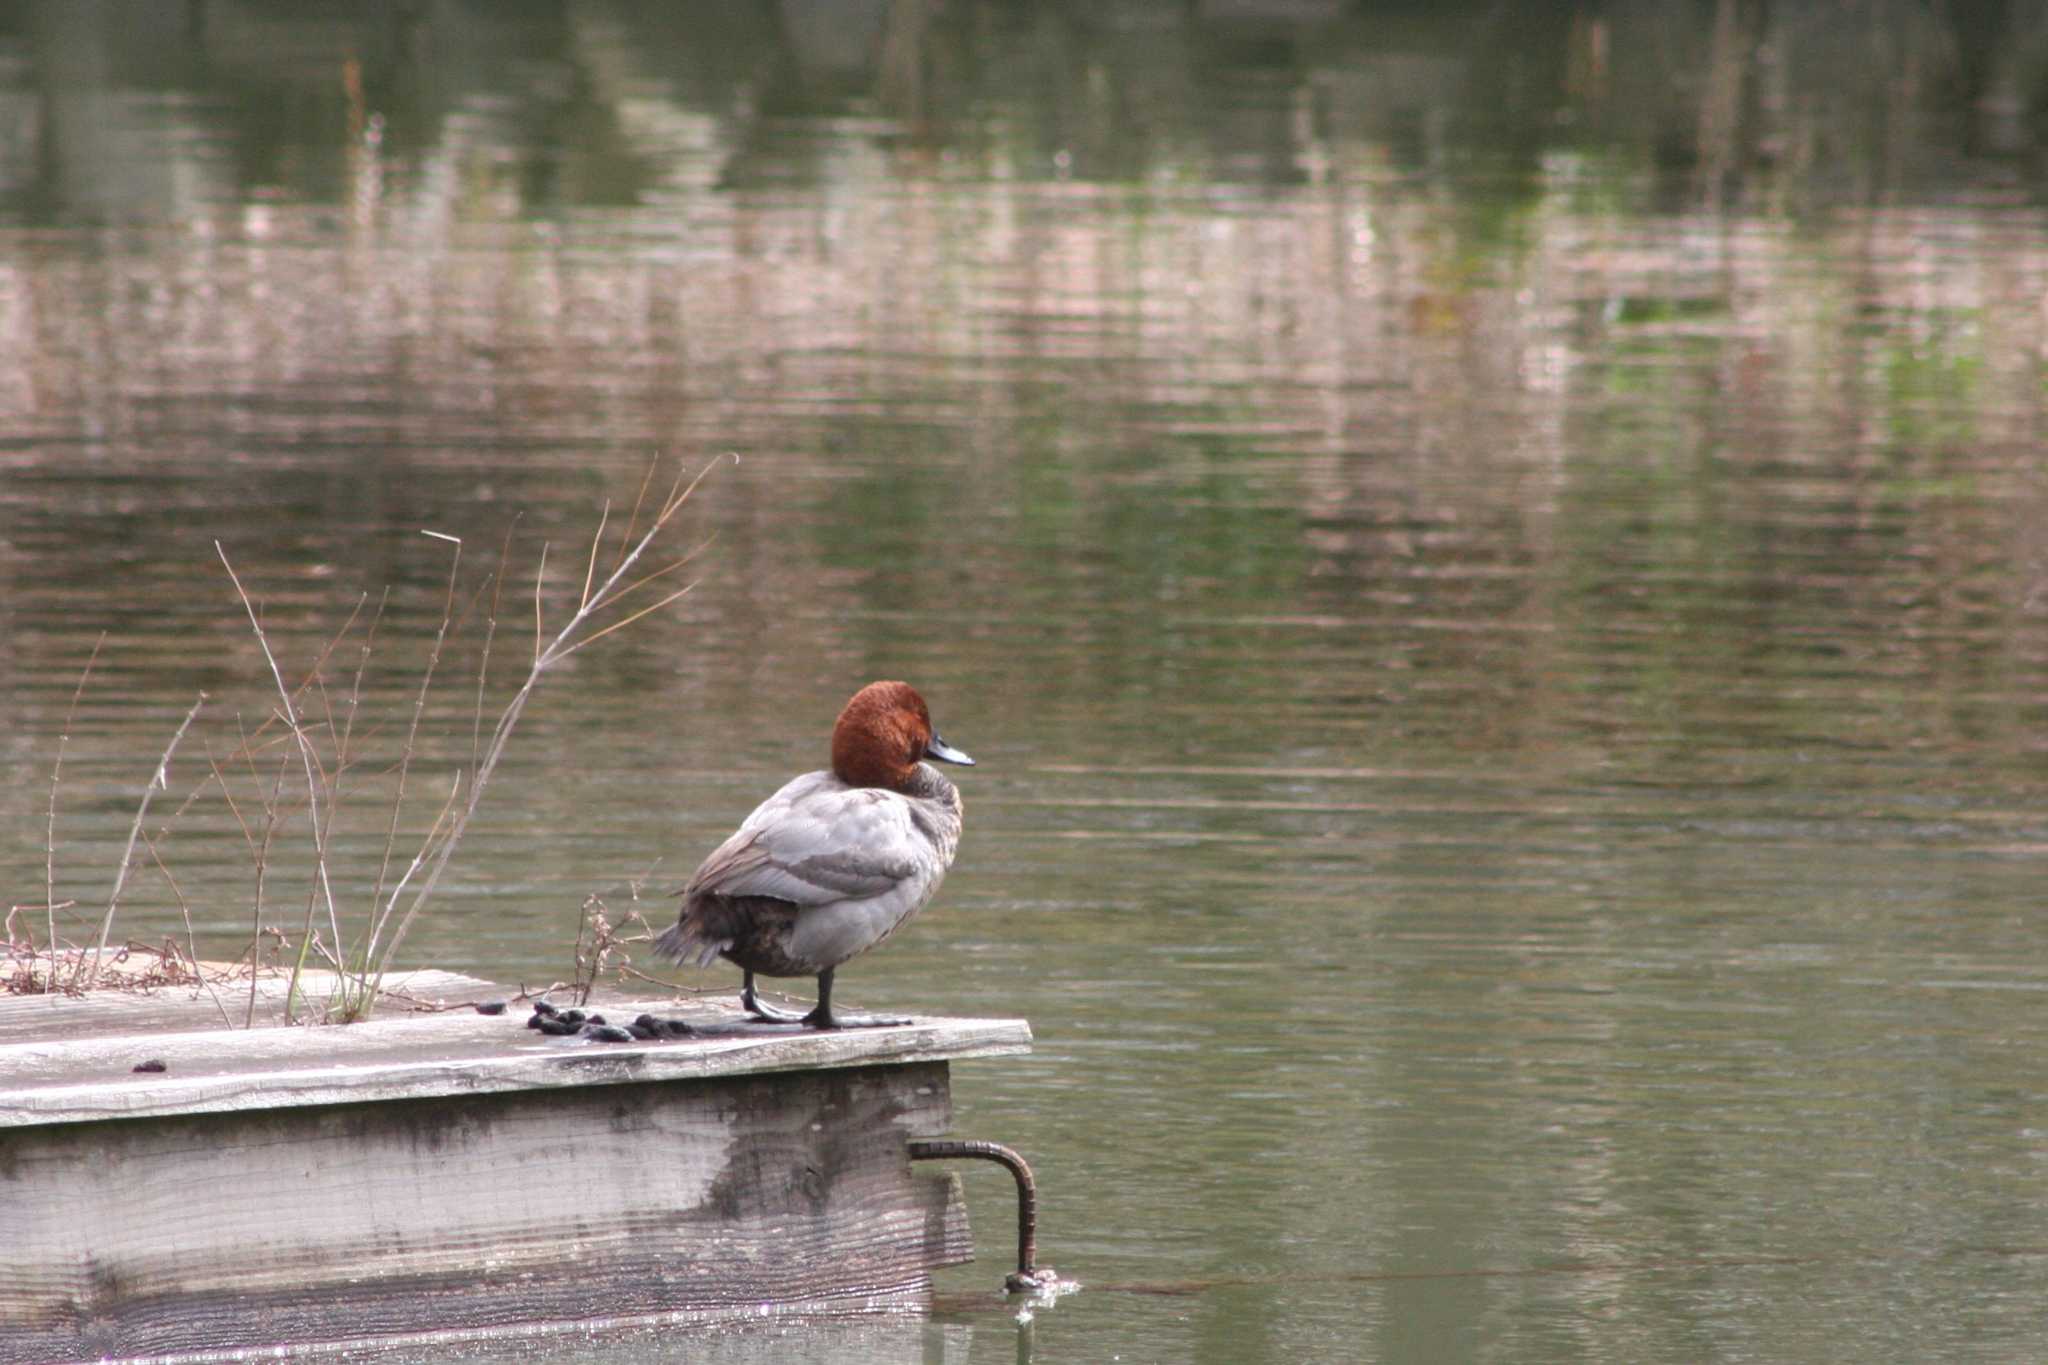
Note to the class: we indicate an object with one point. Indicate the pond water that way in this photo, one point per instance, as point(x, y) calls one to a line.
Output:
point(1496, 570)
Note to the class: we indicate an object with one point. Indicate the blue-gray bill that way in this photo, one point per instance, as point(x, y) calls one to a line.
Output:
point(946, 753)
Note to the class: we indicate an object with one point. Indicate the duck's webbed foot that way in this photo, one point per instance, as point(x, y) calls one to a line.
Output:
point(824, 1016)
point(752, 1003)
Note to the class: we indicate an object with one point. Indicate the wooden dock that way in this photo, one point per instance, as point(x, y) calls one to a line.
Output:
point(448, 1172)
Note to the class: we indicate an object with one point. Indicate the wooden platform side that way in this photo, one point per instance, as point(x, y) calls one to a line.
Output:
point(700, 1199)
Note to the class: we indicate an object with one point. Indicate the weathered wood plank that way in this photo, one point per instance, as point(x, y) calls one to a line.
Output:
point(711, 1198)
point(35, 1017)
point(89, 1078)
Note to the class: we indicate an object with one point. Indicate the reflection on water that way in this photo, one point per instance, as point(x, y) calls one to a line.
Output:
point(1493, 565)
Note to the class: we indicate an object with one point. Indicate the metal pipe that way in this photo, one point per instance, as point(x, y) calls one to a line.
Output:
point(1027, 1276)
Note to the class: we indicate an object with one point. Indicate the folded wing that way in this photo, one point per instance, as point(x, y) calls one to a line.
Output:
point(816, 842)
point(828, 843)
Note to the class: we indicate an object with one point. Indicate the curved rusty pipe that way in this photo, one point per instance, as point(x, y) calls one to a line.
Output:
point(1027, 1275)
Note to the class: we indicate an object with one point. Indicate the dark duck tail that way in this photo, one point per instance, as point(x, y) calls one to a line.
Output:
point(690, 940)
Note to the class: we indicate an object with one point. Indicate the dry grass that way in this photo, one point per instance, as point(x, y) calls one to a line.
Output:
point(140, 967)
point(604, 938)
point(288, 778)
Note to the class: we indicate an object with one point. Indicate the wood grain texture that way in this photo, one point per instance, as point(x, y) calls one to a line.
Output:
point(703, 1199)
point(85, 1075)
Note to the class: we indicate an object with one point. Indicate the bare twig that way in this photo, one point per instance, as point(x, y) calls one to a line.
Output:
point(663, 571)
point(346, 736)
point(621, 625)
point(318, 947)
point(564, 643)
point(540, 577)
point(191, 947)
point(383, 912)
point(483, 667)
point(227, 794)
point(406, 755)
point(272, 805)
point(340, 737)
point(633, 519)
point(306, 755)
point(596, 541)
point(160, 780)
point(312, 679)
point(355, 690)
point(50, 831)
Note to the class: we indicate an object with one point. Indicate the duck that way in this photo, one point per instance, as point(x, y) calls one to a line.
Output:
point(833, 863)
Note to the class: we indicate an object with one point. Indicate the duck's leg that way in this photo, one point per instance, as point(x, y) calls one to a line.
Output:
point(823, 1017)
point(753, 1004)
